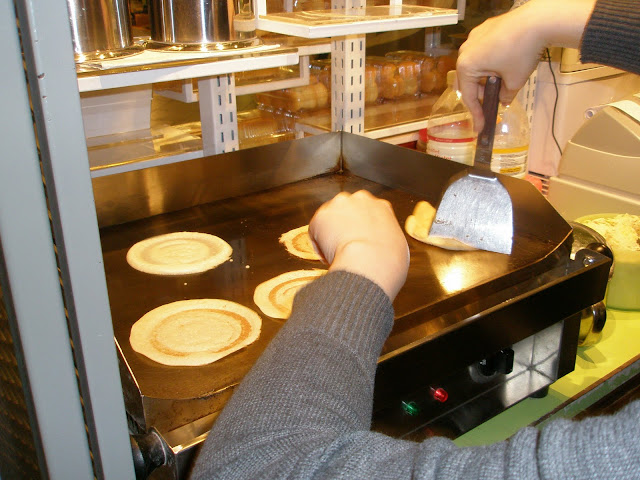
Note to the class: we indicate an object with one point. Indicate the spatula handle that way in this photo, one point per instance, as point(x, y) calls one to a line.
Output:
point(484, 145)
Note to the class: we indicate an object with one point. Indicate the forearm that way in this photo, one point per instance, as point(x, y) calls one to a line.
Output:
point(304, 411)
point(559, 23)
point(606, 31)
point(313, 384)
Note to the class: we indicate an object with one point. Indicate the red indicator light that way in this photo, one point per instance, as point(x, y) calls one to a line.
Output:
point(439, 394)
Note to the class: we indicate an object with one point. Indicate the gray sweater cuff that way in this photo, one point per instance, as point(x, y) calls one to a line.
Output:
point(612, 36)
point(347, 308)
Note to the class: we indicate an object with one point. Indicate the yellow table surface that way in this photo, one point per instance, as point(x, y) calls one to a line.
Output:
point(599, 369)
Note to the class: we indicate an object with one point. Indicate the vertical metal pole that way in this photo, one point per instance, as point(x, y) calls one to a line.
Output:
point(462, 7)
point(52, 81)
point(30, 282)
point(432, 38)
point(218, 114)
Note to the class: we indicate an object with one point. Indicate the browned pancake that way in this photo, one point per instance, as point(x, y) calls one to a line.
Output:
point(194, 332)
point(419, 223)
point(179, 253)
point(298, 243)
point(275, 297)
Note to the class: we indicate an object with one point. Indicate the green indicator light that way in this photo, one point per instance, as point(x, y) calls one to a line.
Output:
point(410, 408)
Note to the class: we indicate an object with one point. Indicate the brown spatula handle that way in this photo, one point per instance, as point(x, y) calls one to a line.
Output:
point(484, 145)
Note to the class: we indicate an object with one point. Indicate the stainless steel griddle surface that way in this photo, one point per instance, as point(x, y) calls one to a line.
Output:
point(438, 280)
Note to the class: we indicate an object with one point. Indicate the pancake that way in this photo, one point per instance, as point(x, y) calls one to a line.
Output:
point(275, 297)
point(194, 332)
point(298, 243)
point(179, 253)
point(419, 223)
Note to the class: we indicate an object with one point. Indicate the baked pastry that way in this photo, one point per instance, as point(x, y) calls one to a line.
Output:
point(275, 296)
point(418, 225)
point(409, 70)
point(194, 332)
point(298, 243)
point(371, 90)
point(179, 253)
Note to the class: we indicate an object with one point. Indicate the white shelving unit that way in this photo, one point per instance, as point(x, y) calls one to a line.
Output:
point(343, 20)
point(344, 27)
point(210, 69)
point(158, 66)
point(187, 94)
point(215, 71)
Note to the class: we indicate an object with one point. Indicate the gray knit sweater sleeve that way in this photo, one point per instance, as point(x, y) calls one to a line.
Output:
point(612, 36)
point(304, 411)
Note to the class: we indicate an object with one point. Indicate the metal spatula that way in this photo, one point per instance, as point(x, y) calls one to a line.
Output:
point(476, 209)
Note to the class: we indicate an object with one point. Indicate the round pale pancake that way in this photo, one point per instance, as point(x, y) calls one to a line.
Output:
point(419, 223)
point(298, 243)
point(275, 297)
point(179, 253)
point(194, 332)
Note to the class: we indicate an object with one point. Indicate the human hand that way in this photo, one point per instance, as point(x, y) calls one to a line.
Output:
point(510, 46)
point(359, 233)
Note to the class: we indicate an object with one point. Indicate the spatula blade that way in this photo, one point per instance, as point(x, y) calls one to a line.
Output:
point(476, 210)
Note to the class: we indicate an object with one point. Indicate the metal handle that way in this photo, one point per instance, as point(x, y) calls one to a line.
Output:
point(150, 451)
point(484, 145)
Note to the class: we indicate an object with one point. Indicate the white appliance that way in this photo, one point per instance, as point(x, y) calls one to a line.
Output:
point(582, 88)
point(599, 171)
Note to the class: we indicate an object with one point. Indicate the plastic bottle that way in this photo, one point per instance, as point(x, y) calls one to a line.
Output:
point(511, 143)
point(449, 129)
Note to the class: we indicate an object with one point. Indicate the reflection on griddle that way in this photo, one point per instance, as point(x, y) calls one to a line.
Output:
point(460, 272)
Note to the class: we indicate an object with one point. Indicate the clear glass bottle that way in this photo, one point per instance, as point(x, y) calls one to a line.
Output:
point(450, 132)
point(511, 143)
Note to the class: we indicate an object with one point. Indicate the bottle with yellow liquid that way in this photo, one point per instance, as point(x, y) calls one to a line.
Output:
point(511, 143)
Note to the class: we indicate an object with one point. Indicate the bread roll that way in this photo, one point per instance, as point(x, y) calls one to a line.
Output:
point(390, 83)
point(433, 73)
point(409, 70)
point(371, 90)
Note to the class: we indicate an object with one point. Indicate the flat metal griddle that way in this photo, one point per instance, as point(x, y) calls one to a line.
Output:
point(438, 282)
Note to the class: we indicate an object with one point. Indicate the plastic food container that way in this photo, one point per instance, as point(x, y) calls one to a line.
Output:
point(256, 127)
point(623, 291)
point(395, 78)
point(431, 70)
point(321, 70)
point(308, 97)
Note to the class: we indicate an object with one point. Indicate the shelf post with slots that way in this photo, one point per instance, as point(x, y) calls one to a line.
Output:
point(347, 85)
point(218, 114)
